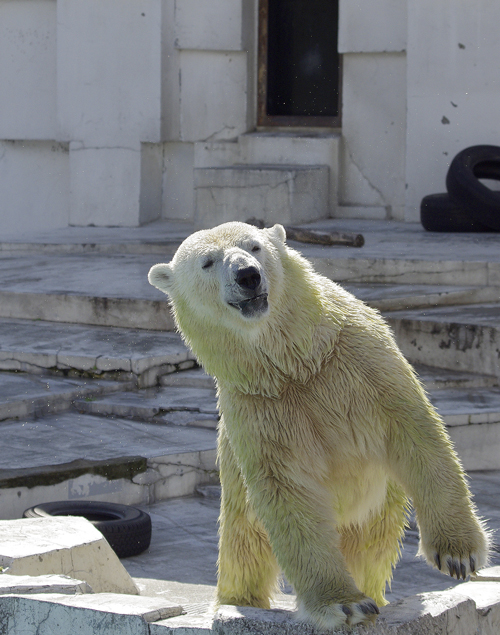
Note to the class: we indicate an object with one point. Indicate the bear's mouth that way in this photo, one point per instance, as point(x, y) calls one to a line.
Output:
point(252, 306)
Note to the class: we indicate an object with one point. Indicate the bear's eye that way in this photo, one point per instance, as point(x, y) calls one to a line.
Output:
point(256, 249)
point(207, 264)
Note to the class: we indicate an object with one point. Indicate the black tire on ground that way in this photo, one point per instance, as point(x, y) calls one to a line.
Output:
point(127, 529)
point(439, 214)
point(467, 191)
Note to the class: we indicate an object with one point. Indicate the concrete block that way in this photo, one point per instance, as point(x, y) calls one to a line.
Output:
point(28, 71)
point(109, 72)
point(85, 614)
point(64, 545)
point(374, 126)
point(276, 148)
point(377, 27)
point(105, 185)
point(213, 74)
point(210, 26)
point(115, 186)
point(28, 585)
point(34, 181)
point(277, 194)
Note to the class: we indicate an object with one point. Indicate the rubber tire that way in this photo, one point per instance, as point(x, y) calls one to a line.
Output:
point(439, 214)
point(127, 529)
point(465, 189)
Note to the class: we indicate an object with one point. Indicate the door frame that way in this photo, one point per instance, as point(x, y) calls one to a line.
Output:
point(263, 119)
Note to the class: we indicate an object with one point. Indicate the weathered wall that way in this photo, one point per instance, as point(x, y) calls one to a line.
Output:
point(372, 38)
point(453, 88)
point(103, 104)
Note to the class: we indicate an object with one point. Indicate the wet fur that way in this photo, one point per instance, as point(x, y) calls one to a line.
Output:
point(325, 432)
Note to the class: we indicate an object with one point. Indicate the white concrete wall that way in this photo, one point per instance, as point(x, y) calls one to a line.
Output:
point(453, 88)
point(130, 87)
point(34, 186)
point(372, 38)
point(28, 69)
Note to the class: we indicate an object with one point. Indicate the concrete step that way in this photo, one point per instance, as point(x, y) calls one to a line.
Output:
point(473, 421)
point(276, 193)
point(72, 455)
point(23, 395)
point(175, 405)
point(84, 289)
point(464, 339)
point(396, 297)
point(435, 379)
point(114, 291)
point(403, 253)
point(160, 237)
point(91, 351)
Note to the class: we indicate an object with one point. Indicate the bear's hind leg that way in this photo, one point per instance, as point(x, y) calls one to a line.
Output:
point(371, 550)
point(247, 568)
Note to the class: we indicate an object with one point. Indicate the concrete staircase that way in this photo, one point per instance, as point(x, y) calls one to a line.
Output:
point(100, 399)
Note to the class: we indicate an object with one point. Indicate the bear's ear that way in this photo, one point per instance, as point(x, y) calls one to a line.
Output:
point(277, 232)
point(161, 277)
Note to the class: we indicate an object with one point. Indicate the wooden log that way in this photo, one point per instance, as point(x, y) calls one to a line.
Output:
point(315, 237)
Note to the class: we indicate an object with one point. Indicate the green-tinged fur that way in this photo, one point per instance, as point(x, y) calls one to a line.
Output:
point(325, 434)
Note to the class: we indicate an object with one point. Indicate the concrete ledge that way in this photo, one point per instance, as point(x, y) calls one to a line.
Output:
point(472, 608)
point(62, 545)
point(52, 583)
point(83, 614)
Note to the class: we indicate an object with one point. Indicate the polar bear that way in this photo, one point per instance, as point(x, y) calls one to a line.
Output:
point(325, 431)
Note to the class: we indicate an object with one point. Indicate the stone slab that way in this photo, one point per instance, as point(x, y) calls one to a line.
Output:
point(24, 395)
point(125, 354)
point(176, 405)
point(62, 545)
point(52, 583)
point(195, 378)
point(85, 614)
point(70, 436)
point(490, 574)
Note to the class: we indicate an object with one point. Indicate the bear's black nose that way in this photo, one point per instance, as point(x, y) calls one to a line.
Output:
point(248, 278)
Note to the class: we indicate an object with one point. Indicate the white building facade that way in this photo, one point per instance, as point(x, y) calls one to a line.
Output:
point(121, 112)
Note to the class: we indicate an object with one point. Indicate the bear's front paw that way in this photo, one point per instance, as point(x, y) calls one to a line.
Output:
point(331, 616)
point(459, 557)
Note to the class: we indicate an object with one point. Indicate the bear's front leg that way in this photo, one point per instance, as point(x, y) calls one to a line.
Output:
point(298, 516)
point(452, 537)
point(247, 568)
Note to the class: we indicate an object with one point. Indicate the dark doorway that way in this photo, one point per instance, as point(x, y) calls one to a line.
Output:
point(299, 64)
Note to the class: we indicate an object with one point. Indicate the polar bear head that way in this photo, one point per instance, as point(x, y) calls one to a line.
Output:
point(224, 276)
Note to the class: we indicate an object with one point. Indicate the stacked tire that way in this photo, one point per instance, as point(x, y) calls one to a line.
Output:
point(468, 205)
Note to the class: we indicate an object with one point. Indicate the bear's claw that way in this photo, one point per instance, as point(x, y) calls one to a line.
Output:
point(456, 566)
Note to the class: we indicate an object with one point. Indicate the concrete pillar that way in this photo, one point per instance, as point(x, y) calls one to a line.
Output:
point(109, 107)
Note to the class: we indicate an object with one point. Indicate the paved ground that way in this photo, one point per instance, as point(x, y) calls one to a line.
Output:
point(183, 550)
